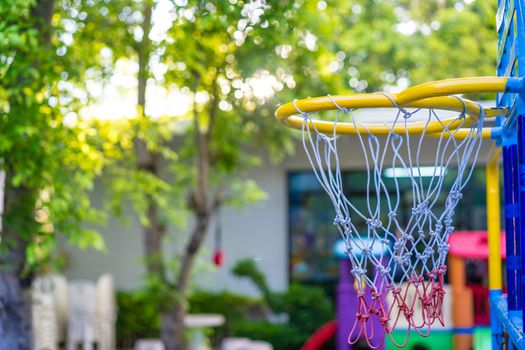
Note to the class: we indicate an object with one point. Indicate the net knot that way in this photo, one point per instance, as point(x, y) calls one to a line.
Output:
point(375, 294)
point(396, 291)
point(455, 195)
point(373, 311)
point(362, 317)
point(416, 279)
point(383, 270)
point(399, 244)
point(340, 220)
point(358, 271)
point(443, 248)
point(385, 322)
point(408, 312)
point(421, 208)
point(374, 223)
point(366, 251)
point(440, 292)
point(406, 114)
point(324, 138)
point(402, 259)
point(427, 301)
point(392, 215)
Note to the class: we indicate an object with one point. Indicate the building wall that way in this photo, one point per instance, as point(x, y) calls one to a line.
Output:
point(258, 231)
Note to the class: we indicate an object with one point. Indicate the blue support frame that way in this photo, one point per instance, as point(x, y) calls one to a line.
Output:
point(521, 171)
point(507, 312)
point(512, 222)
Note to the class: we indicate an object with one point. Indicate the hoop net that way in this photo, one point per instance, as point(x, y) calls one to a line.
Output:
point(411, 266)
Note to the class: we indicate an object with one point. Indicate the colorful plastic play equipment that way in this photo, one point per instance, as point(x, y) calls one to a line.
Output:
point(347, 304)
point(467, 312)
point(347, 301)
point(470, 302)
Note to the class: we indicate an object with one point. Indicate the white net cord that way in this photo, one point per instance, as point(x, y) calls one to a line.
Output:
point(414, 249)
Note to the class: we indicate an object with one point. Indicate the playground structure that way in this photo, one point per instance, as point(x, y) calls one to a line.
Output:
point(420, 247)
point(470, 302)
point(466, 304)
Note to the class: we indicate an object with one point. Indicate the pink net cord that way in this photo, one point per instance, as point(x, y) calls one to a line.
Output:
point(426, 298)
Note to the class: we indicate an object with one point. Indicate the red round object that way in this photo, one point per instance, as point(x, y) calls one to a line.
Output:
point(321, 336)
point(218, 257)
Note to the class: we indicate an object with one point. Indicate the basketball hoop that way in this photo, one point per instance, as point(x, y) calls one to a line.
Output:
point(411, 271)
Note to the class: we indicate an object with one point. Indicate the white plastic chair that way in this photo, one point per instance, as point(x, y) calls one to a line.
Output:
point(149, 344)
point(105, 313)
point(45, 329)
point(260, 345)
point(244, 344)
point(82, 315)
point(61, 298)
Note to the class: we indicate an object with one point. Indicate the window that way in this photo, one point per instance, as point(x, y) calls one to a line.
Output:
point(311, 214)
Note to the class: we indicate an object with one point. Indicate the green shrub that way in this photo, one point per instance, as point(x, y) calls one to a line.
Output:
point(138, 315)
point(282, 337)
point(308, 307)
point(137, 318)
point(246, 268)
point(235, 308)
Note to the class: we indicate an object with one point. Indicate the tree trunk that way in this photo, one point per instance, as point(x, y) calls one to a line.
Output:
point(173, 329)
point(154, 231)
point(18, 227)
point(15, 282)
point(153, 238)
point(15, 313)
point(148, 161)
point(173, 321)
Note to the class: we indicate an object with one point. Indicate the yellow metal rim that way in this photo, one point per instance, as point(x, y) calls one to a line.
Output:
point(486, 133)
point(449, 87)
point(434, 95)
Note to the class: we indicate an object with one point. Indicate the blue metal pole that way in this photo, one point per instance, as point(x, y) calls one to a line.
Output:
point(495, 322)
point(521, 172)
point(513, 241)
point(520, 111)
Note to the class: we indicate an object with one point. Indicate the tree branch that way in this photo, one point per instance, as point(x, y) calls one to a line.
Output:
point(213, 107)
point(202, 159)
point(143, 51)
